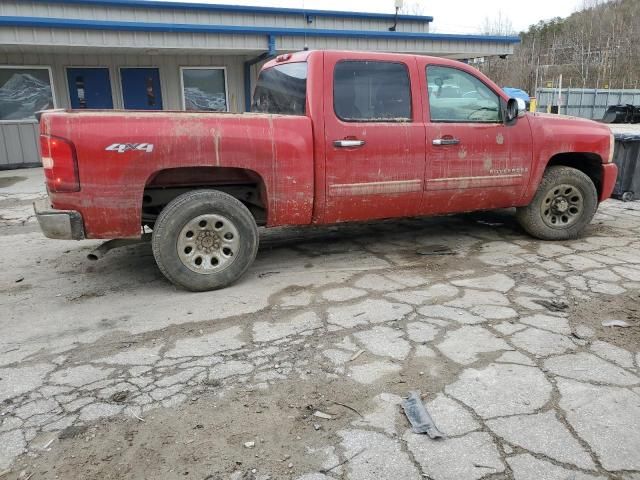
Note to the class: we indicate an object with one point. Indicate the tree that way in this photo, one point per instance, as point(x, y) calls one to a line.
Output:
point(413, 7)
point(596, 47)
point(499, 25)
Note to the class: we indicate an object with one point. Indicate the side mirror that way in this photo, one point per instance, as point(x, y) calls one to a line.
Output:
point(522, 107)
point(516, 108)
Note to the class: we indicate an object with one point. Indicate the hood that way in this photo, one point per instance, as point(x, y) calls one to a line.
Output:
point(553, 120)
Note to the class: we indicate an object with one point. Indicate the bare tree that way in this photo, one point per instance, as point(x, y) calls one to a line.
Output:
point(596, 47)
point(413, 7)
point(499, 25)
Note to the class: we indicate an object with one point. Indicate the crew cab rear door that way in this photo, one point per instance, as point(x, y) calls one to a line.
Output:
point(474, 161)
point(374, 137)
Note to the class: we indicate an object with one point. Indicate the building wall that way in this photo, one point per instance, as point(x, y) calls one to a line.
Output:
point(208, 15)
point(168, 65)
point(18, 140)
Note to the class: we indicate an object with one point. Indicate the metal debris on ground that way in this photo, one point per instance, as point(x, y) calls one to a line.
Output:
point(320, 414)
point(138, 417)
point(434, 250)
point(421, 421)
point(356, 355)
point(120, 396)
point(553, 305)
point(615, 323)
point(72, 431)
point(327, 470)
point(349, 407)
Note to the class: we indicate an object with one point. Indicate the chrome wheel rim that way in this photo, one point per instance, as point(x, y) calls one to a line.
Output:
point(208, 244)
point(562, 206)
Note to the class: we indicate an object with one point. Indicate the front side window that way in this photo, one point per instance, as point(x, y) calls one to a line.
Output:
point(23, 92)
point(204, 89)
point(282, 90)
point(457, 96)
point(366, 91)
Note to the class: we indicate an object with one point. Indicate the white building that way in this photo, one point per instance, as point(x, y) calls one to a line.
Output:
point(156, 55)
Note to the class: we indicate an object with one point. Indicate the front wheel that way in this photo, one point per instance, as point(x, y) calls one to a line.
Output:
point(204, 240)
point(563, 206)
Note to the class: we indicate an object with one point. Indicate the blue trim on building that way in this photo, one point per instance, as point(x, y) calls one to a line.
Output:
point(239, 9)
point(41, 22)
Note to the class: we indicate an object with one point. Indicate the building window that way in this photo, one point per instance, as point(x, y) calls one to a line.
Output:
point(366, 91)
point(205, 89)
point(24, 91)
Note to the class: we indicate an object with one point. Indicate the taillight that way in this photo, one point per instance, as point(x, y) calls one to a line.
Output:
point(60, 164)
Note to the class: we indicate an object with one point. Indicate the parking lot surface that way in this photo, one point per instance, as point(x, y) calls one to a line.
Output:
point(298, 370)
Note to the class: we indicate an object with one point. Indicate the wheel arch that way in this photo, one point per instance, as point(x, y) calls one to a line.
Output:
point(244, 184)
point(588, 163)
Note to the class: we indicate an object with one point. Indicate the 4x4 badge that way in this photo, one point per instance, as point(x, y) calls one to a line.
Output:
point(125, 147)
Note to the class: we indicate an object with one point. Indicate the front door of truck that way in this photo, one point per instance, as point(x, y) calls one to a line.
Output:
point(374, 137)
point(474, 161)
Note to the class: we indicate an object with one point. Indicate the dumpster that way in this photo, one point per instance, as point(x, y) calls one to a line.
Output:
point(627, 157)
point(622, 114)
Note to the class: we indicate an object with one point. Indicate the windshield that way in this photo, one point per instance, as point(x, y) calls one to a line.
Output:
point(282, 90)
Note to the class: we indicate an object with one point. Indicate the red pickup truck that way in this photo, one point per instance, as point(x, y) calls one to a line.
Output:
point(333, 137)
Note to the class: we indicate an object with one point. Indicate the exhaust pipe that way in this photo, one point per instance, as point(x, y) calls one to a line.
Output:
point(106, 247)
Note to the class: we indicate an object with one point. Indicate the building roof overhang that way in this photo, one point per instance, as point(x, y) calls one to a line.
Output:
point(240, 9)
point(109, 25)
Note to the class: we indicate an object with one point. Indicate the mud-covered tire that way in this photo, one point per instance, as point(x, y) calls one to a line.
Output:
point(563, 206)
point(204, 240)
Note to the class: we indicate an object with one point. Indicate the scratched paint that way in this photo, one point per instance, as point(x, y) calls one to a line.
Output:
point(216, 145)
point(500, 139)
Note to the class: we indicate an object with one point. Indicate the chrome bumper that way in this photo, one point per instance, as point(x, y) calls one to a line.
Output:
point(58, 224)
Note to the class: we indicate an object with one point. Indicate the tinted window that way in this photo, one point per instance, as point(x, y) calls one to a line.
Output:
point(282, 89)
point(457, 96)
point(371, 92)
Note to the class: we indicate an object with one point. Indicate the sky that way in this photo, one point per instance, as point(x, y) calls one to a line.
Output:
point(450, 16)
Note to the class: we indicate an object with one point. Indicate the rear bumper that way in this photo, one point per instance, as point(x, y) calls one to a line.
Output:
point(609, 177)
point(58, 224)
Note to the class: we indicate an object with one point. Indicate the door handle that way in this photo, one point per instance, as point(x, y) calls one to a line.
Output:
point(445, 141)
point(348, 143)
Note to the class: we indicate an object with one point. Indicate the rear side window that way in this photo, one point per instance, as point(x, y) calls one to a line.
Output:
point(282, 90)
point(366, 91)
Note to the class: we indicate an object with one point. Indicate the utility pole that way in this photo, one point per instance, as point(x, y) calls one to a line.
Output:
point(559, 93)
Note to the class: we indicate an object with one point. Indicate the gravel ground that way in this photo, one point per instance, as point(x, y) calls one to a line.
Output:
point(108, 372)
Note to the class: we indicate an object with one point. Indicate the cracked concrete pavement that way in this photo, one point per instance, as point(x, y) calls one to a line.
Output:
point(108, 371)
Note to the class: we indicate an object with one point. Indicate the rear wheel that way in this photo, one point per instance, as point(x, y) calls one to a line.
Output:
point(204, 240)
point(563, 206)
